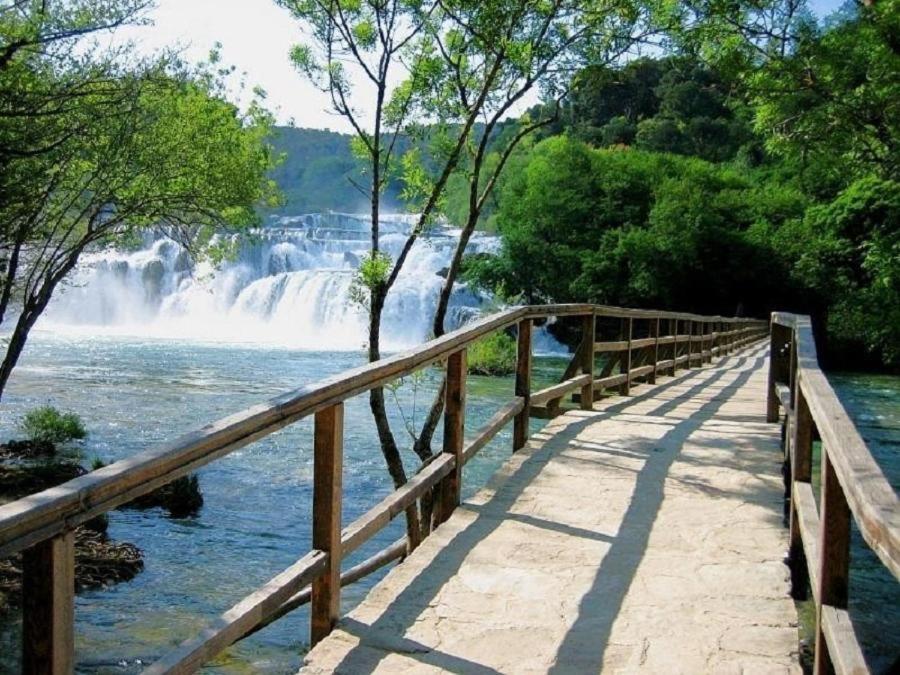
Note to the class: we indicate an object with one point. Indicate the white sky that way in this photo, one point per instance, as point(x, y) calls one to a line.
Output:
point(256, 36)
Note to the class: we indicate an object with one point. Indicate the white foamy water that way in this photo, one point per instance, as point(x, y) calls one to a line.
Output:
point(289, 285)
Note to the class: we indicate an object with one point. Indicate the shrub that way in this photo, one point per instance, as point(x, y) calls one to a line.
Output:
point(47, 424)
point(493, 355)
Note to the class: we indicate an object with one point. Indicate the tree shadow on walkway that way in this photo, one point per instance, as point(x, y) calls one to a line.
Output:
point(583, 647)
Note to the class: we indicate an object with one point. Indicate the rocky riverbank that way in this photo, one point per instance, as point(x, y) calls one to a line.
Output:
point(27, 467)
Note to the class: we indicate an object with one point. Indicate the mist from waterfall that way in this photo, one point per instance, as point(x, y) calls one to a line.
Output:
point(289, 284)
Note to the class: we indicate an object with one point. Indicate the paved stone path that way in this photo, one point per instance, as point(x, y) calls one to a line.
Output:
point(645, 536)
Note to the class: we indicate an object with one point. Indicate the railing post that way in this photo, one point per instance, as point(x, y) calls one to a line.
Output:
point(717, 340)
point(702, 327)
point(523, 384)
point(48, 606)
point(708, 329)
point(625, 388)
point(834, 555)
point(673, 329)
point(654, 329)
point(690, 347)
point(800, 472)
point(778, 367)
point(328, 450)
point(454, 430)
point(588, 328)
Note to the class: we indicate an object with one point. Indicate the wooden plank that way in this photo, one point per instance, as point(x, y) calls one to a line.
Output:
point(499, 420)
point(399, 549)
point(654, 330)
point(557, 391)
point(800, 472)
point(328, 452)
point(611, 346)
point(804, 505)
point(834, 556)
point(842, 643)
point(609, 382)
point(242, 617)
point(643, 343)
point(549, 412)
point(588, 337)
point(373, 520)
point(48, 606)
point(523, 384)
point(778, 368)
point(454, 430)
point(635, 373)
point(783, 394)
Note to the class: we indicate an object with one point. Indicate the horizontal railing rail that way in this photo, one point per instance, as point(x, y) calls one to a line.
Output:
point(42, 525)
point(852, 486)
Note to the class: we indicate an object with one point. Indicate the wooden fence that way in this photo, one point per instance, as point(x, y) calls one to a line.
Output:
point(852, 484)
point(646, 343)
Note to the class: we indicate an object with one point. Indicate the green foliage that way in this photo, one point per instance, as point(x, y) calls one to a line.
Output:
point(373, 272)
point(635, 228)
point(851, 257)
point(675, 104)
point(830, 108)
point(493, 355)
point(47, 424)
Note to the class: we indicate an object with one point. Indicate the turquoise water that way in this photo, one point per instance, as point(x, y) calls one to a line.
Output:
point(255, 520)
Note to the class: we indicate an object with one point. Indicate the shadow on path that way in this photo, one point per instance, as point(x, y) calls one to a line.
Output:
point(585, 643)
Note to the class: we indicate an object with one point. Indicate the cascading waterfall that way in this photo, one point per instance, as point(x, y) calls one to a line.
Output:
point(289, 284)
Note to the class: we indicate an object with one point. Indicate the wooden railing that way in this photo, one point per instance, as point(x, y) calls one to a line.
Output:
point(852, 484)
point(647, 343)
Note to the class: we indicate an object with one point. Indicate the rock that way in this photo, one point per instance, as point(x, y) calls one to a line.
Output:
point(183, 262)
point(182, 498)
point(17, 481)
point(28, 449)
point(99, 561)
point(119, 268)
point(351, 259)
point(152, 275)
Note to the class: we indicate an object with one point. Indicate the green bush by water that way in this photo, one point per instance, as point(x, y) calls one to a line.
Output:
point(47, 424)
point(493, 355)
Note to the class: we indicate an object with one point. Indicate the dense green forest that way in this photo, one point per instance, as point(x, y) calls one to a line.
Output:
point(677, 183)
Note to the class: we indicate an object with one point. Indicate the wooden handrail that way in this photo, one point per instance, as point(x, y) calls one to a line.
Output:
point(42, 524)
point(852, 486)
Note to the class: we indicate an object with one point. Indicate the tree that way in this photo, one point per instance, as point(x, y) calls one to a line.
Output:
point(96, 149)
point(465, 63)
point(636, 228)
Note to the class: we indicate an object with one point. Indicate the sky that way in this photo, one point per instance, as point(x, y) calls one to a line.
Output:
point(256, 36)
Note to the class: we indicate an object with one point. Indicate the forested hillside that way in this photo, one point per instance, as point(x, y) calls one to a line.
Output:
point(318, 172)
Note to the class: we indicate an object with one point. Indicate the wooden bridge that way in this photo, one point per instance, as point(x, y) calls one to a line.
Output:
point(641, 531)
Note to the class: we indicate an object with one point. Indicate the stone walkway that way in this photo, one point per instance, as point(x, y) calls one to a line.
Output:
point(645, 536)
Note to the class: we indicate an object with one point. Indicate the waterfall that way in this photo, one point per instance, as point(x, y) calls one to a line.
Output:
point(288, 284)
